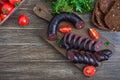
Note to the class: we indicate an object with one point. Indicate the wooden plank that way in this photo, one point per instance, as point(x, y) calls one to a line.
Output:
point(25, 56)
point(12, 36)
point(54, 71)
point(34, 21)
point(31, 3)
point(47, 70)
point(30, 53)
point(113, 37)
point(23, 37)
point(33, 71)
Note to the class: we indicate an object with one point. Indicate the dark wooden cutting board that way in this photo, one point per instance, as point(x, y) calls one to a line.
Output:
point(41, 11)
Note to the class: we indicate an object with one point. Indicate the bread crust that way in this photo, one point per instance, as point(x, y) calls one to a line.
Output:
point(98, 17)
point(112, 19)
point(105, 5)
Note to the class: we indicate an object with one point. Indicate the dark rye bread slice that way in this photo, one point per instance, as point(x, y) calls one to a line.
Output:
point(112, 19)
point(94, 21)
point(105, 5)
point(98, 17)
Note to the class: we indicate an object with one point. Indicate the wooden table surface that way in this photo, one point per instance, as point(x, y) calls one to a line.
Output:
point(24, 55)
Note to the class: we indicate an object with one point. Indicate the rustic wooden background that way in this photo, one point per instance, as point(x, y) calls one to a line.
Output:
point(25, 56)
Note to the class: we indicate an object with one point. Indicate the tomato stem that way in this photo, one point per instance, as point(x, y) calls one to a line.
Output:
point(4, 11)
point(17, 4)
point(89, 27)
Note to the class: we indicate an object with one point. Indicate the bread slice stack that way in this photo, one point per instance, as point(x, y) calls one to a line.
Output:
point(106, 15)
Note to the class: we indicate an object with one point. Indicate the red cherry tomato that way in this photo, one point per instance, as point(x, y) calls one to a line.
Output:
point(0, 8)
point(93, 33)
point(3, 16)
point(23, 20)
point(7, 8)
point(3, 1)
point(89, 71)
point(15, 2)
point(65, 29)
point(0, 19)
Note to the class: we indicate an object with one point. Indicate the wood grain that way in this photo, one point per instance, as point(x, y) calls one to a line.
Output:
point(26, 56)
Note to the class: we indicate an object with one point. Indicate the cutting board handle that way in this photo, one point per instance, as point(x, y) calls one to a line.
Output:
point(42, 11)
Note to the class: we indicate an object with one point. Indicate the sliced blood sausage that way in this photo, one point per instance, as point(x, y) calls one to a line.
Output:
point(86, 58)
point(79, 57)
point(66, 36)
point(62, 43)
point(106, 52)
point(95, 60)
point(70, 55)
point(72, 42)
point(66, 40)
point(87, 45)
point(82, 55)
point(76, 59)
point(97, 56)
point(91, 44)
point(70, 38)
point(76, 44)
point(86, 42)
point(103, 58)
point(96, 46)
point(75, 39)
point(81, 46)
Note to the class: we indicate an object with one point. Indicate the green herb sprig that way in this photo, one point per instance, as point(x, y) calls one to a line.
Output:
point(82, 6)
